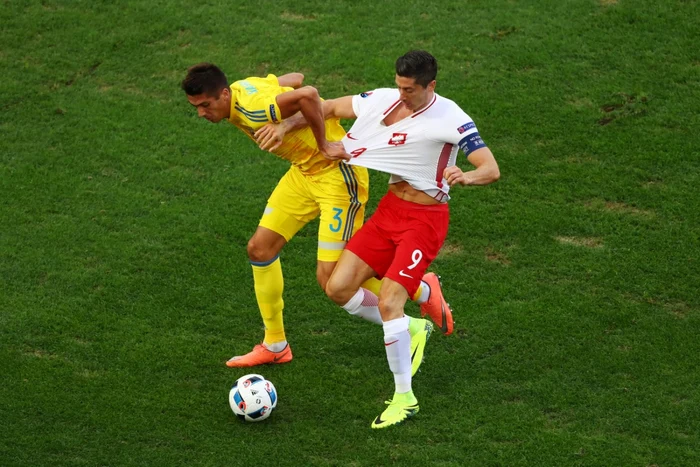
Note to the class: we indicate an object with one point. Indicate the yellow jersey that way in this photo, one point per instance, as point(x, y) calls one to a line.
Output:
point(254, 104)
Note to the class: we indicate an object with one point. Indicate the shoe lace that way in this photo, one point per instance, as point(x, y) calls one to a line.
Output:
point(396, 408)
point(390, 402)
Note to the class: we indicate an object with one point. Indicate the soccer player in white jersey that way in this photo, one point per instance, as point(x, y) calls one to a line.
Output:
point(414, 134)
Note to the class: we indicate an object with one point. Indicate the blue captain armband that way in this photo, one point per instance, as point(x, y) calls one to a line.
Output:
point(471, 143)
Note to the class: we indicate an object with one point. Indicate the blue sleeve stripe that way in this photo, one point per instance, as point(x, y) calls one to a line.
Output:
point(252, 112)
point(253, 116)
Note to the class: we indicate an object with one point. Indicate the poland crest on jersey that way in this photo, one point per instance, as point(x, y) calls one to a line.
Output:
point(397, 139)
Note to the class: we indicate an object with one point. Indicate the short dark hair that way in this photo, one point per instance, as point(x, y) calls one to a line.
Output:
point(419, 65)
point(204, 78)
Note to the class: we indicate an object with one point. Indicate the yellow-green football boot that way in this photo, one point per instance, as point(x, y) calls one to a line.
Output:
point(401, 407)
point(420, 330)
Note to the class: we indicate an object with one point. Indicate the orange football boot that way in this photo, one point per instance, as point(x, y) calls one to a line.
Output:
point(436, 307)
point(260, 355)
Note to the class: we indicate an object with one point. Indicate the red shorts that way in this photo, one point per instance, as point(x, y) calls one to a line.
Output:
point(401, 239)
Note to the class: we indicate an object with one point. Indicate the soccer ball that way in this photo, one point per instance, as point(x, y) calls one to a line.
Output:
point(252, 398)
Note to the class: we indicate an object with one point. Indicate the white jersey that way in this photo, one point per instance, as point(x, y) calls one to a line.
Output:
point(416, 149)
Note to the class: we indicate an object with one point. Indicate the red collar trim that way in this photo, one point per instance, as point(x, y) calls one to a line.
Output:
point(391, 107)
point(429, 105)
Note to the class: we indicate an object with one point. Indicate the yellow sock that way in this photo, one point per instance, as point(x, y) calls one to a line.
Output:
point(269, 285)
point(373, 285)
point(417, 295)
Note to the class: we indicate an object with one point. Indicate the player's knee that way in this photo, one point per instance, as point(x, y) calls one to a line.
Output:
point(336, 291)
point(258, 251)
point(389, 308)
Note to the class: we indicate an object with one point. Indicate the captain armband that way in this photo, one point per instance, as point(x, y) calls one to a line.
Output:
point(471, 143)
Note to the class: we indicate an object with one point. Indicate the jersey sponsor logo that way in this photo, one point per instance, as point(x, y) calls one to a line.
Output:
point(249, 88)
point(465, 127)
point(471, 143)
point(403, 274)
point(365, 94)
point(398, 139)
point(351, 137)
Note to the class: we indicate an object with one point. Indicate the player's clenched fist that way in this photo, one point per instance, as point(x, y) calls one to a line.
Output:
point(454, 175)
point(335, 151)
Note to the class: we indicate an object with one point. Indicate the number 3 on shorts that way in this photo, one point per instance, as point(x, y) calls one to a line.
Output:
point(337, 218)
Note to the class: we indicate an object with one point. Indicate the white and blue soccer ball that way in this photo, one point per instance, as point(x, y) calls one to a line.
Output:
point(252, 398)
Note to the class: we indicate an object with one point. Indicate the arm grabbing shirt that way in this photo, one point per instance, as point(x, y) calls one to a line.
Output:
point(253, 105)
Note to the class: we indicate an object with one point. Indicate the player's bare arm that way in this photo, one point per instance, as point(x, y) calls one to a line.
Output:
point(339, 108)
point(486, 170)
point(291, 80)
point(271, 135)
point(307, 101)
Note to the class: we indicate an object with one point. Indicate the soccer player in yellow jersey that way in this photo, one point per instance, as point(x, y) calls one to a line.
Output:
point(316, 184)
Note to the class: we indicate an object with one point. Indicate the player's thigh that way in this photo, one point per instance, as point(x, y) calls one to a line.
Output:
point(290, 206)
point(374, 246)
point(341, 195)
point(416, 248)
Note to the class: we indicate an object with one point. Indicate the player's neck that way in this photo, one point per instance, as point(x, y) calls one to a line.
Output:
point(229, 103)
point(426, 104)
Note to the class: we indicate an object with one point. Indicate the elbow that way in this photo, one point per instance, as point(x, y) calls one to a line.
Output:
point(309, 92)
point(495, 175)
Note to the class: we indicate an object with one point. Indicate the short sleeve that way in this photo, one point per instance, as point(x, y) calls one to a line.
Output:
point(459, 129)
point(370, 99)
point(257, 98)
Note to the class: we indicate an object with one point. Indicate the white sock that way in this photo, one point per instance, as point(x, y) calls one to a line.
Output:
point(425, 293)
point(276, 347)
point(365, 305)
point(397, 342)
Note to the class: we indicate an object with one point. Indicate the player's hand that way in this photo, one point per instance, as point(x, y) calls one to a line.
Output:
point(335, 152)
point(270, 136)
point(454, 175)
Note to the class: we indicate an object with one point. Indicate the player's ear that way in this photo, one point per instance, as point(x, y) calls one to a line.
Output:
point(431, 85)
